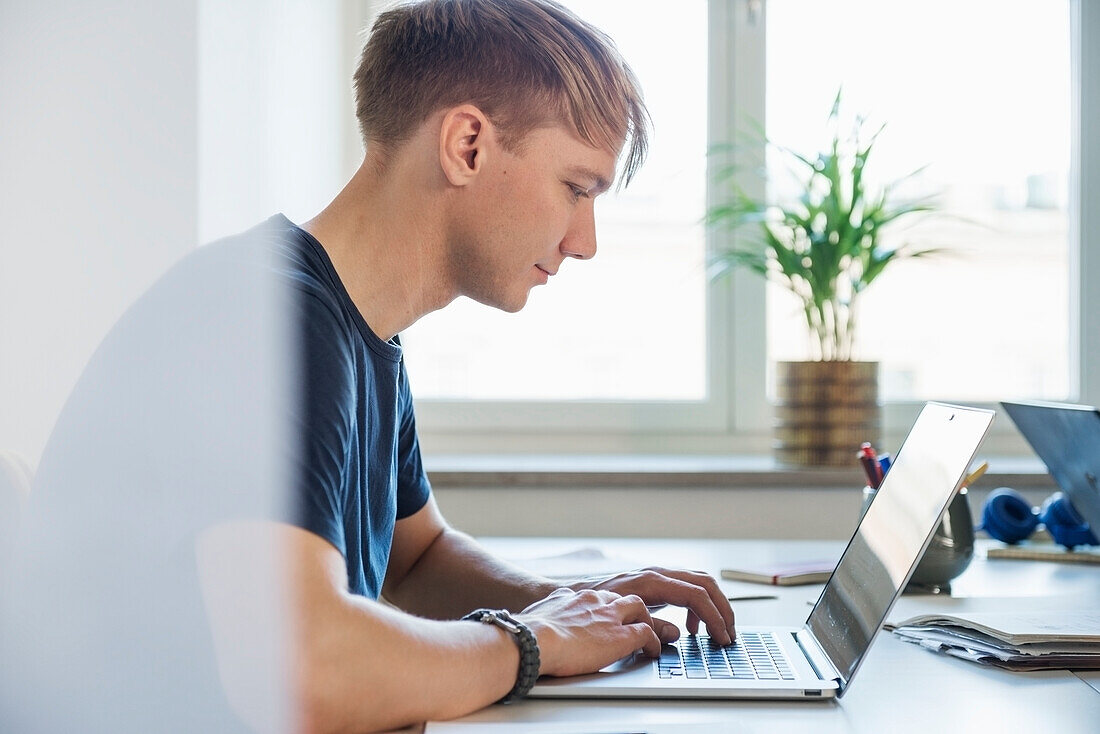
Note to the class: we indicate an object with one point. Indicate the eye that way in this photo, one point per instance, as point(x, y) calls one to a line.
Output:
point(576, 191)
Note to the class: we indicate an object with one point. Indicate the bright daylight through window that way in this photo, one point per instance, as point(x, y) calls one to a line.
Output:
point(979, 91)
point(629, 324)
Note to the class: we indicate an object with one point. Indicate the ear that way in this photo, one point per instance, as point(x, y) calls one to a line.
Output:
point(464, 140)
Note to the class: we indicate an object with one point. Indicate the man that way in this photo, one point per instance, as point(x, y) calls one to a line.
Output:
point(490, 128)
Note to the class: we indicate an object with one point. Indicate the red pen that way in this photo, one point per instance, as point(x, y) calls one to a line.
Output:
point(869, 459)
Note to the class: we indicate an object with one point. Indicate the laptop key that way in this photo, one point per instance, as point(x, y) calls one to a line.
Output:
point(751, 657)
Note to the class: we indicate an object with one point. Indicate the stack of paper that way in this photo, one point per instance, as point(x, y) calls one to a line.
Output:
point(1015, 641)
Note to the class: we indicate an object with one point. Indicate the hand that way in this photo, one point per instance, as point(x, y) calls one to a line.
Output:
point(696, 591)
point(582, 632)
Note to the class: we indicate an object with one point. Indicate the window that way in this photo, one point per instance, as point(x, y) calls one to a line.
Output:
point(995, 102)
point(630, 324)
point(988, 319)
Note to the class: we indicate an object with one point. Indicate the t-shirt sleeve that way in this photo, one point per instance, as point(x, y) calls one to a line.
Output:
point(323, 421)
point(413, 488)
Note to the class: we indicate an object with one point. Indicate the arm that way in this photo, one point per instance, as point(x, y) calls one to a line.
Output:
point(436, 571)
point(354, 664)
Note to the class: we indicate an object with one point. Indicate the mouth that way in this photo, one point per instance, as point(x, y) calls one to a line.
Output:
point(543, 274)
point(548, 272)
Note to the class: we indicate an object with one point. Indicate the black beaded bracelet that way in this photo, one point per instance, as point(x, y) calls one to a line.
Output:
point(524, 639)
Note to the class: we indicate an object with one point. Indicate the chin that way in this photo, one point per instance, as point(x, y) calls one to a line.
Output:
point(509, 303)
point(512, 306)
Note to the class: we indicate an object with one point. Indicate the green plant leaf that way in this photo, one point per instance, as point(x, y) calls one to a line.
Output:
point(825, 244)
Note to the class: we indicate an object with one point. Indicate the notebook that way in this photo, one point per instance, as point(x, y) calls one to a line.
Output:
point(787, 574)
point(1029, 551)
point(1067, 438)
point(820, 659)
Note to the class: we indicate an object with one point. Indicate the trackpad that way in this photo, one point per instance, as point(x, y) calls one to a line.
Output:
point(630, 662)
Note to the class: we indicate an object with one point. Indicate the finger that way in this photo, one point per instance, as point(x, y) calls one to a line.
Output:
point(643, 638)
point(635, 611)
point(710, 585)
point(666, 631)
point(637, 624)
point(632, 609)
point(659, 585)
point(692, 623)
point(698, 602)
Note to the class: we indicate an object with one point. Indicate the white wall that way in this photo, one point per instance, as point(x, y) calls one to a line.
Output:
point(274, 110)
point(130, 133)
point(817, 513)
point(653, 512)
point(98, 184)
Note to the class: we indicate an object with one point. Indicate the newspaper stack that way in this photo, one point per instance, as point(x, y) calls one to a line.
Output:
point(1014, 641)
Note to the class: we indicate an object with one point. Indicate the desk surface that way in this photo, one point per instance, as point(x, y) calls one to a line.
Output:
point(901, 688)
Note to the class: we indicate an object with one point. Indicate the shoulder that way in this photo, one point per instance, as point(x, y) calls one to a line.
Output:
point(278, 265)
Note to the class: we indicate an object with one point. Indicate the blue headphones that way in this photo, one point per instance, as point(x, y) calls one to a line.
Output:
point(1008, 517)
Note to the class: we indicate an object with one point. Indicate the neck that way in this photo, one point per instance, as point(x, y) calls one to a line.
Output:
point(386, 247)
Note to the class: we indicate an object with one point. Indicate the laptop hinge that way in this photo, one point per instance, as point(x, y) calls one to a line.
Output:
point(817, 657)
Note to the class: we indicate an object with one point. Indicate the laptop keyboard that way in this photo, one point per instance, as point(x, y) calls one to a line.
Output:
point(752, 656)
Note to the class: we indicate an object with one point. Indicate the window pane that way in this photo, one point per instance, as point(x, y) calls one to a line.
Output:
point(980, 91)
point(630, 324)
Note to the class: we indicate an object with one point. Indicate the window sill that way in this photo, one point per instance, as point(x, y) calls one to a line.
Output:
point(655, 470)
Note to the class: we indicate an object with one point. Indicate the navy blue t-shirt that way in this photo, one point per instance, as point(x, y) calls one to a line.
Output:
point(360, 468)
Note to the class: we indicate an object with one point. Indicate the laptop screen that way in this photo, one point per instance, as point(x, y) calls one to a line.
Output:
point(1067, 439)
point(894, 532)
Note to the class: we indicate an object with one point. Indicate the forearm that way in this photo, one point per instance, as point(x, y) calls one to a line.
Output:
point(353, 664)
point(455, 575)
point(363, 666)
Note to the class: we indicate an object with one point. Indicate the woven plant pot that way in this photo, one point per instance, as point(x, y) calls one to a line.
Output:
point(824, 411)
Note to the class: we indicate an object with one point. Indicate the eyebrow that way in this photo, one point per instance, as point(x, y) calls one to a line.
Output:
point(602, 184)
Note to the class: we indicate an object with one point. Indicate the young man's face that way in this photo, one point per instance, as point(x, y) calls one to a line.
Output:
point(529, 211)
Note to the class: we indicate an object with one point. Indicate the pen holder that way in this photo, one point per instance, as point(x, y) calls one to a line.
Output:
point(949, 552)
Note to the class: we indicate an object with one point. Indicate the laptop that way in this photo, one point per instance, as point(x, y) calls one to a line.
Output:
point(819, 660)
point(1067, 438)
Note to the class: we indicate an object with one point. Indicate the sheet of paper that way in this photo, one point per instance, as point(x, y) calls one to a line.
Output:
point(1012, 626)
point(586, 561)
point(912, 606)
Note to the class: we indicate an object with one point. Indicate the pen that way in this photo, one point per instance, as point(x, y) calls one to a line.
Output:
point(884, 463)
point(870, 464)
point(974, 475)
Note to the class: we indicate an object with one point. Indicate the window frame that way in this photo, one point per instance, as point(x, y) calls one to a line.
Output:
point(735, 417)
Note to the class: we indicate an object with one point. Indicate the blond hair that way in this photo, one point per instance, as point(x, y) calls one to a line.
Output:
point(524, 63)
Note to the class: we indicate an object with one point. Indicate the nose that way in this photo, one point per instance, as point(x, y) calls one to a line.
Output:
point(580, 238)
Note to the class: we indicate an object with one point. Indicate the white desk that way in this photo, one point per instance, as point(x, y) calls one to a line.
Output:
point(901, 688)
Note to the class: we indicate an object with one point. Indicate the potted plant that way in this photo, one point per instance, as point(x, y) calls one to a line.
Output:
point(826, 246)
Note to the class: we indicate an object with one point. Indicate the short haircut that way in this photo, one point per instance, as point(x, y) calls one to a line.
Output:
point(524, 63)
